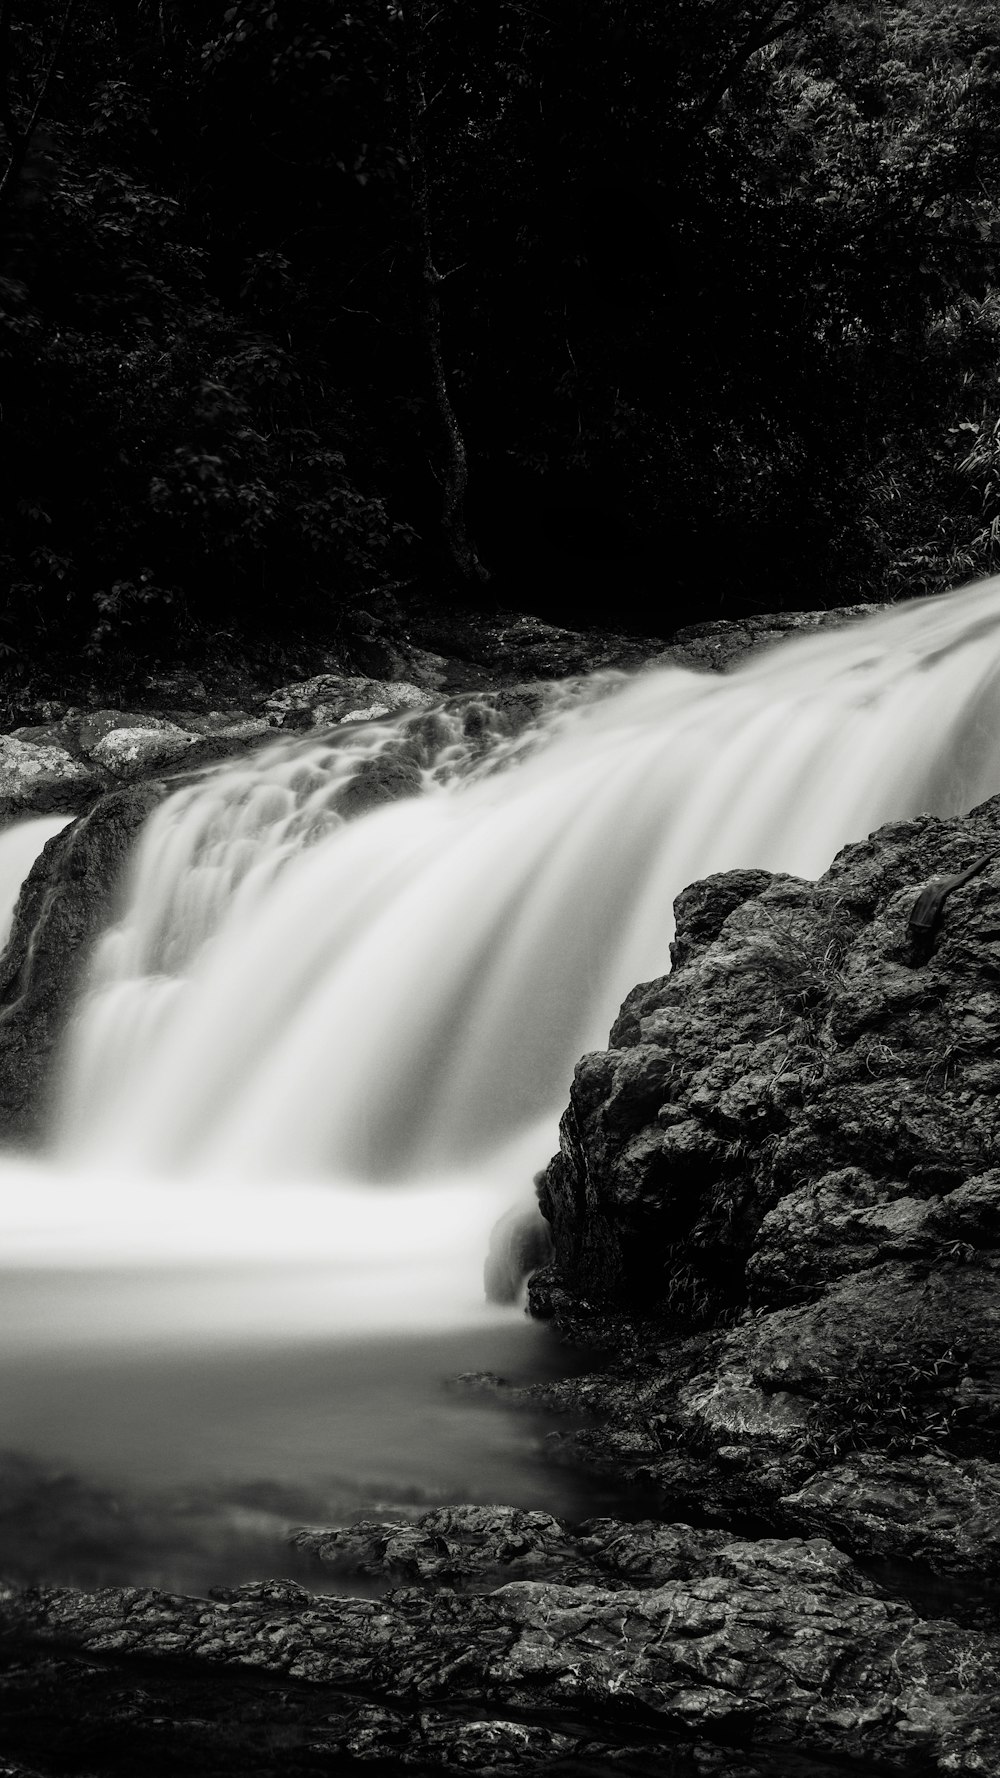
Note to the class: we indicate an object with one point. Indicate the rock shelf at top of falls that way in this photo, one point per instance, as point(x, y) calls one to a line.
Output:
point(63, 757)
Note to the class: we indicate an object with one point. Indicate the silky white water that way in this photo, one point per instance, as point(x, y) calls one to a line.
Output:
point(399, 997)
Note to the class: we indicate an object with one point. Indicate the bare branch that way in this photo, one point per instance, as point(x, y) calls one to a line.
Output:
point(7, 118)
point(455, 476)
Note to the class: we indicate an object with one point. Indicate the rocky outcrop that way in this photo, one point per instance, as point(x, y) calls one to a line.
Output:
point(40, 778)
point(329, 699)
point(397, 659)
point(70, 761)
point(792, 1144)
point(723, 642)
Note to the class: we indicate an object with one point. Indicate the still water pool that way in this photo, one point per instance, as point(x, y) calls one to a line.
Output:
point(184, 1462)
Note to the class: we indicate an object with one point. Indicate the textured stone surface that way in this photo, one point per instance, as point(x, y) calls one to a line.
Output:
point(723, 643)
point(329, 699)
point(133, 751)
point(765, 1642)
point(481, 1545)
point(41, 779)
point(944, 1512)
point(795, 1071)
point(792, 1145)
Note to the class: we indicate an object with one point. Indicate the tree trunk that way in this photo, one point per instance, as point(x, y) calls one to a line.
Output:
point(19, 140)
point(455, 476)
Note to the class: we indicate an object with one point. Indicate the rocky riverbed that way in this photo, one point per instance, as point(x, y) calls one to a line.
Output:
point(776, 1224)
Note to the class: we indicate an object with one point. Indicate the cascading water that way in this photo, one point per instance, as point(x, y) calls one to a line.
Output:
point(394, 998)
point(333, 1051)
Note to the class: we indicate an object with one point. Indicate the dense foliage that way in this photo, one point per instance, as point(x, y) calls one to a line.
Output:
point(643, 311)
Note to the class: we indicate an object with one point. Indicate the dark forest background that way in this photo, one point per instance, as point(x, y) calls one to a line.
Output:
point(634, 312)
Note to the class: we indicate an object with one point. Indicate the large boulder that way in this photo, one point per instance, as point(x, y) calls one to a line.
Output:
point(42, 777)
point(786, 1168)
point(330, 699)
point(804, 1092)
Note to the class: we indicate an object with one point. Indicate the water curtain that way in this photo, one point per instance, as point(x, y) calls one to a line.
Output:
point(295, 994)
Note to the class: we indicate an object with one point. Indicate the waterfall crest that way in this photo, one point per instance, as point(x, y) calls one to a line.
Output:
point(295, 996)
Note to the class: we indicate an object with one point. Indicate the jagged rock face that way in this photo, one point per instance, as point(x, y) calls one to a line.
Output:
point(793, 1144)
point(802, 1093)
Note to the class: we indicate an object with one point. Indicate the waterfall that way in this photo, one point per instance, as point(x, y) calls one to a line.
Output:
point(351, 1038)
point(398, 996)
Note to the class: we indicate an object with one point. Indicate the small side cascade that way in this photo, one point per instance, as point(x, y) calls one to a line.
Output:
point(20, 845)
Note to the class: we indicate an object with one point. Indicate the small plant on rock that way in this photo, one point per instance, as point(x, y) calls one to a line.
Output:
point(890, 1404)
point(796, 974)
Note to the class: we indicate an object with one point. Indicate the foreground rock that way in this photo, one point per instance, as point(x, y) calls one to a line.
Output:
point(665, 1639)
